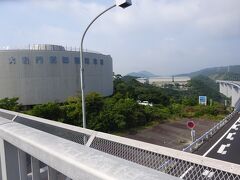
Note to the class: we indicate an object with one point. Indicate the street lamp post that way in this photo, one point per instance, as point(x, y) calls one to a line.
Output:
point(120, 3)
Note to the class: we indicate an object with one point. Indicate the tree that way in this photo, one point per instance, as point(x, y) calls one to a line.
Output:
point(72, 111)
point(94, 103)
point(122, 112)
point(202, 85)
point(48, 111)
point(118, 114)
point(189, 101)
point(10, 104)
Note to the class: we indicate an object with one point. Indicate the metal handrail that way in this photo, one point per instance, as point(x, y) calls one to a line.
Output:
point(161, 159)
point(71, 159)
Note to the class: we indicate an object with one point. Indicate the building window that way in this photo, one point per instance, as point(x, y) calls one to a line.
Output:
point(94, 61)
point(25, 60)
point(77, 60)
point(101, 61)
point(65, 60)
point(12, 60)
point(39, 60)
point(87, 61)
point(53, 60)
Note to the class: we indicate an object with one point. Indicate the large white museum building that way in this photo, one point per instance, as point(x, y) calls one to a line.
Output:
point(48, 73)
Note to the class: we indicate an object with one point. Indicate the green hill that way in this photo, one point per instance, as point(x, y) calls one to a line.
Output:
point(219, 73)
point(142, 74)
point(202, 85)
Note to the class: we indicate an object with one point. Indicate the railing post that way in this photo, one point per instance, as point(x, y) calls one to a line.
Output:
point(52, 174)
point(9, 161)
point(3, 161)
point(22, 159)
point(62, 177)
point(35, 169)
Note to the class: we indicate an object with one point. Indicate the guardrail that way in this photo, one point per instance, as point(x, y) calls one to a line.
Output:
point(27, 153)
point(64, 148)
point(197, 143)
point(234, 83)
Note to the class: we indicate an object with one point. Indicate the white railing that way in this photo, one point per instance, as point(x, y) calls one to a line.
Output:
point(234, 83)
point(27, 153)
point(73, 147)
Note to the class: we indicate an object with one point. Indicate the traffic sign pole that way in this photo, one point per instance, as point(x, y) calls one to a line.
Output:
point(193, 134)
point(191, 125)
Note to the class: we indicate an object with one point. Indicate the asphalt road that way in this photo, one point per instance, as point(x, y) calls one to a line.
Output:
point(225, 144)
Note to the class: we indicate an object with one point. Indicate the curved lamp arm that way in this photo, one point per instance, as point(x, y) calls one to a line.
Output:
point(82, 66)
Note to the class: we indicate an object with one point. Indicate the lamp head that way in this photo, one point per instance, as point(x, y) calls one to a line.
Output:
point(123, 3)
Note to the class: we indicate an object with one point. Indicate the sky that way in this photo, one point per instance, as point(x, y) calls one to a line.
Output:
point(165, 37)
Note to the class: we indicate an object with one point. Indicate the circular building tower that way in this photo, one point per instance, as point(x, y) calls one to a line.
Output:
point(46, 73)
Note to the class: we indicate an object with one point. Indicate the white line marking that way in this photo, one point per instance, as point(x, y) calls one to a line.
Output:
point(222, 148)
point(235, 127)
point(206, 153)
point(14, 117)
point(229, 136)
point(208, 173)
point(184, 174)
point(205, 172)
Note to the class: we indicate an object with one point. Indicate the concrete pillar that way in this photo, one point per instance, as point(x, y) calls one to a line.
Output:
point(224, 89)
point(235, 96)
point(9, 161)
point(227, 90)
point(230, 90)
point(221, 88)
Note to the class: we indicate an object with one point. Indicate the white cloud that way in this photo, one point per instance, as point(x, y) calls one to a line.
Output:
point(220, 18)
point(161, 35)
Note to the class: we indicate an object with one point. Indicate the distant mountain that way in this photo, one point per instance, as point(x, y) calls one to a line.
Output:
point(142, 74)
point(220, 73)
